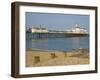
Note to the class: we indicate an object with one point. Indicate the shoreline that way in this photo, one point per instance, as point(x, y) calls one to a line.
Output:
point(37, 57)
point(46, 50)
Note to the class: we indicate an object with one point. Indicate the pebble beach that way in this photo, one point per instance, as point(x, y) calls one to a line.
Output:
point(36, 58)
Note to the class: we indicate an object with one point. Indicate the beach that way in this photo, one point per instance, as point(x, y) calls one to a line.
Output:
point(36, 58)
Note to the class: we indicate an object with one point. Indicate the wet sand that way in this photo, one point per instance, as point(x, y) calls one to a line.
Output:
point(56, 58)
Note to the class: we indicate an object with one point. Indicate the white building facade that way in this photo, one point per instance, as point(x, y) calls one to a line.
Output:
point(39, 30)
point(78, 30)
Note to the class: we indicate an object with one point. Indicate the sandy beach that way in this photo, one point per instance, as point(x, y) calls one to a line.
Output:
point(56, 58)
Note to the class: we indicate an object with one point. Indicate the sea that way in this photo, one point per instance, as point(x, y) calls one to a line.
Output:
point(60, 44)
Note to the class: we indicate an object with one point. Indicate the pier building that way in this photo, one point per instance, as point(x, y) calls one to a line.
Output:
point(39, 30)
point(78, 29)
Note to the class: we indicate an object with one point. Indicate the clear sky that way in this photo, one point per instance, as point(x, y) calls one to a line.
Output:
point(55, 21)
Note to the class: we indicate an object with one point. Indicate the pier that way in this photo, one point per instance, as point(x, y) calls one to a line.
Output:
point(53, 35)
point(40, 32)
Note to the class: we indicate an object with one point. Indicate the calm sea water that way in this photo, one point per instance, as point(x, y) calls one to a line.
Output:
point(65, 44)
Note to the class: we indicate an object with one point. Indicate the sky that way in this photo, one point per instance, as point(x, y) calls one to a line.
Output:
point(56, 21)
